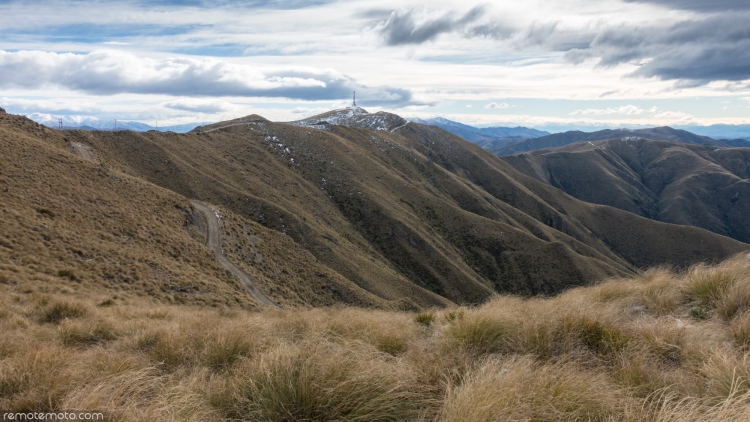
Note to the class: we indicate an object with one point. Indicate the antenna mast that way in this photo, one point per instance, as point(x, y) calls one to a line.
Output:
point(354, 99)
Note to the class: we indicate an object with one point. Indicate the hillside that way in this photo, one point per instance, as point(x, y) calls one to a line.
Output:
point(80, 225)
point(660, 134)
point(411, 214)
point(677, 183)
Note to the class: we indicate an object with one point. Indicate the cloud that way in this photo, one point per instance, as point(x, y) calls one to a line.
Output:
point(65, 106)
point(106, 72)
point(628, 110)
point(496, 105)
point(199, 106)
point(691, 52)
point(699, 5)
point(674, 117)
point(418, 25)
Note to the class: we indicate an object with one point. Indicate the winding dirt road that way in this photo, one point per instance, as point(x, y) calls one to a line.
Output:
point(214, 243)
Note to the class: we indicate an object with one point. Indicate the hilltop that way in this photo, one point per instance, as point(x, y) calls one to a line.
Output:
point(701, 186)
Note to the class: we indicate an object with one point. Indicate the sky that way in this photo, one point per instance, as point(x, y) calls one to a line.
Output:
point(580, 63)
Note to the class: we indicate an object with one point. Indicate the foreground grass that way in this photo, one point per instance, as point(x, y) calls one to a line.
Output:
point(664, 346)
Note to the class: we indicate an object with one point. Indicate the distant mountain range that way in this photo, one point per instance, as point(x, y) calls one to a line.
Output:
point(498, 140)
point(94, 123)
point(512, 140)
point(489, 138)
point(660, 133)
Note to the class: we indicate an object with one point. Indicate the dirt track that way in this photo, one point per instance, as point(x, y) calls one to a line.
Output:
point(214, 243)
point(82, 151)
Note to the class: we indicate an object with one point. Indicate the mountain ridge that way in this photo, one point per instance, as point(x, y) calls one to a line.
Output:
point(680, 183)
point(441, 212)
point(664, 133)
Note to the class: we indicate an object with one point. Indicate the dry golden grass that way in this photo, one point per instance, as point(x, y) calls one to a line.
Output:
point(625, 349)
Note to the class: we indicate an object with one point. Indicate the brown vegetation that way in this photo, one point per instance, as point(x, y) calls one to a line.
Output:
point(417, 213)
point(625, 349)
point(701, 186)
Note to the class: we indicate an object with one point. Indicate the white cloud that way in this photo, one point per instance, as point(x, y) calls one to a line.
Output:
point(59, 105)
point(496, 105)
point(107, 72)
point(628, 110)
point(675, 117)
point(200, 106)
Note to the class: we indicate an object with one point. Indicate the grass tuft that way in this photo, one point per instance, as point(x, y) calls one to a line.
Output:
point(58, 311)
point(424, 318)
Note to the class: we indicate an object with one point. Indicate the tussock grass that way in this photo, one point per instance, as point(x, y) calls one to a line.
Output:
point(59, 311)
point(519, 388)
point(615, 351)
point(322, 380)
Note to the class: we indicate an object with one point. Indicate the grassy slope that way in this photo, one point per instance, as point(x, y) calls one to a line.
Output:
point(405, 214)
point(675, 183)
point(660, 346)
point(88, 228)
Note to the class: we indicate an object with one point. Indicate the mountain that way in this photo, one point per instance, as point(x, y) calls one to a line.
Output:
point(383, 213)
point(660, 133)
point(721, 131)
point(679, 183)
point(472, 134)
point(94, 123)
point(489, 138)
point(128, 262)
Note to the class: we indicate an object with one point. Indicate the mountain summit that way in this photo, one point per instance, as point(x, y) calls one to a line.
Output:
point(355, 117)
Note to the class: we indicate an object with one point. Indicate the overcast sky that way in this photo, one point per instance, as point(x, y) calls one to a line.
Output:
point(533, 62)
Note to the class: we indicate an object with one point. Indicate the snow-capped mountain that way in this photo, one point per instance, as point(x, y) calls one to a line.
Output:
point(94, 123)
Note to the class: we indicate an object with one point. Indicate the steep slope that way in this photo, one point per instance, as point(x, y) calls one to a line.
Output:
point(405, 211)
point(84, 225)
point(660, 134)
point(677, 183)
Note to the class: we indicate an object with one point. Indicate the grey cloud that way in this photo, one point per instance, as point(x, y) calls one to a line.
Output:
point(692, 52)
point(699, 5)
point(417, 25)
point(113, 72)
